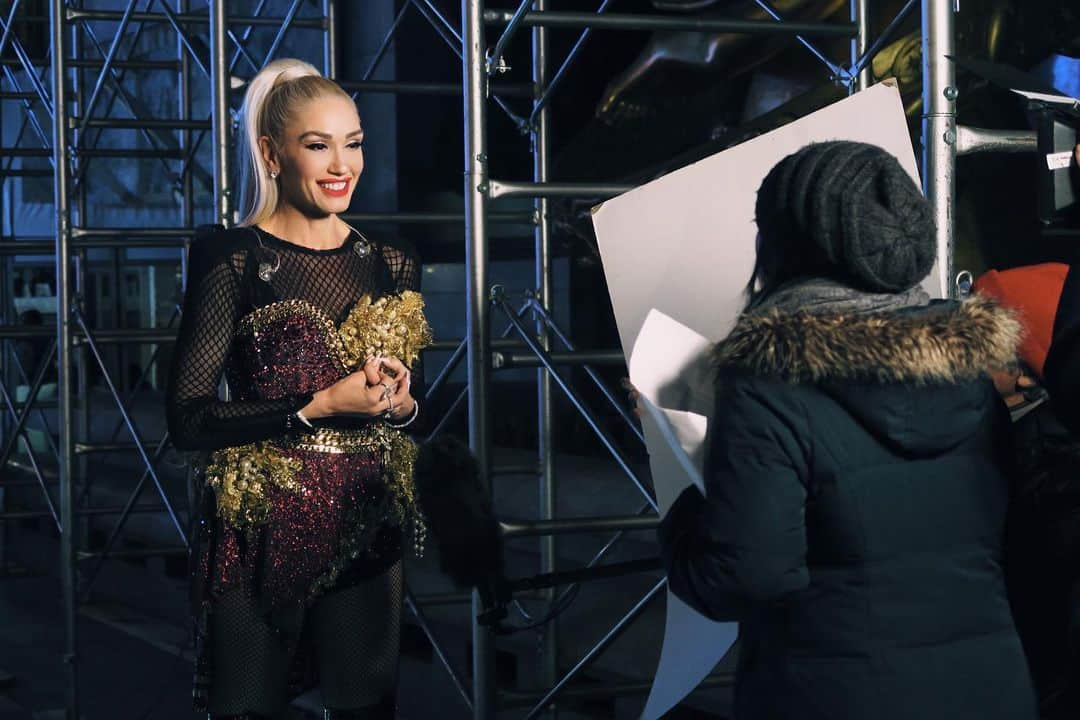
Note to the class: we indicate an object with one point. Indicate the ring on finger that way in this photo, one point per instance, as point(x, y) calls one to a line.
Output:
point(388, 390)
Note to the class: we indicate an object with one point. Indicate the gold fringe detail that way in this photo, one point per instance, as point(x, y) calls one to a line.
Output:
point(240, 477)
point(399, 453)
point(397, 507)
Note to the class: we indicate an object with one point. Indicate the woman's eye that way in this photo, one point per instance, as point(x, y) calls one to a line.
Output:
point(317, 146)
point(355, 145)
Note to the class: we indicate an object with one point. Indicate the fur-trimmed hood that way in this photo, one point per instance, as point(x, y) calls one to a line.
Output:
point(941, 343)
point(908, 376)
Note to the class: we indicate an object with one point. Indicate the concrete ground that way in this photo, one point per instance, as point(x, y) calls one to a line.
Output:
point(134, 644)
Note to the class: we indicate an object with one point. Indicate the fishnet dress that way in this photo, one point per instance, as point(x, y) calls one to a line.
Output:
point(223, 286)
point(254, 651)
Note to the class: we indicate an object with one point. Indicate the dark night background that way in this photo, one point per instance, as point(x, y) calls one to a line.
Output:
point(633, 106)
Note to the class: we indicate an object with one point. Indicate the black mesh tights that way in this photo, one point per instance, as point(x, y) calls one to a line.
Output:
point(355, 637)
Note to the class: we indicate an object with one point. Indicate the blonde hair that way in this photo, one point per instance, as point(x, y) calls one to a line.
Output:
point(272, 99)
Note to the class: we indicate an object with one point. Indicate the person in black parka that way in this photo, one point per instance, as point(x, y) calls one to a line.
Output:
point(1053, 526)
point(856, 500)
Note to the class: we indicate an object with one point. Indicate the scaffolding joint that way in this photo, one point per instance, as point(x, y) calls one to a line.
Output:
point(496, 65)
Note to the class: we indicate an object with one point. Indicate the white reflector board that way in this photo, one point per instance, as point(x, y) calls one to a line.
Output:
point(684, 245)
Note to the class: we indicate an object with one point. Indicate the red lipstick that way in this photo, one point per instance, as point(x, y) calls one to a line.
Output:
point(334, 187)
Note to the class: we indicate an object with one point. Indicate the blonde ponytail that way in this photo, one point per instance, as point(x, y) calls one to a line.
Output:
point(271, 99)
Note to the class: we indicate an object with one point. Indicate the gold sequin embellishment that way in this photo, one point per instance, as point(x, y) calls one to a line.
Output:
point(392, 326)
point(240, 477)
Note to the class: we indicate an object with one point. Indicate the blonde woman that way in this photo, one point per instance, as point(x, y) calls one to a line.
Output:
point(307, 470)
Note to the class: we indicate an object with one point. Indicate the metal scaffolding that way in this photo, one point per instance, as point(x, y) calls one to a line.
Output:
point(480, 63)
point(79, 100)
point(85, 90)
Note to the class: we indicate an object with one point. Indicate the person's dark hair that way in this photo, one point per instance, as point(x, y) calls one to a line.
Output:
point(842, 210)
point(783, 253)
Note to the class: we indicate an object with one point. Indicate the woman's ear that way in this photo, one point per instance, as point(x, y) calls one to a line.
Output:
point(269, 156)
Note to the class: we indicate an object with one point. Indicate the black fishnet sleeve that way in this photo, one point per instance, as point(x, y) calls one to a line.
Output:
point(197, 418)
point(405, 270)
point(404, 267)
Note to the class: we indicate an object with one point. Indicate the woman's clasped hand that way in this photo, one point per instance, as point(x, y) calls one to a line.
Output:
point(381, 387)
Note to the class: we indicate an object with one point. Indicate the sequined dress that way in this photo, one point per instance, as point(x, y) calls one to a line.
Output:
point(288, 512)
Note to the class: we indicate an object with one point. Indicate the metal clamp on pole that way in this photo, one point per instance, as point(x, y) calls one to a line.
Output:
point(964, 284)
point(863, 63)
point(496, 63)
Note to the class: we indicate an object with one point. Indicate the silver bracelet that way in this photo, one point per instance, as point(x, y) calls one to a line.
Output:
point(412, 417)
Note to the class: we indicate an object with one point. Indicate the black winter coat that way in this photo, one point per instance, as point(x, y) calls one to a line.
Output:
point(855, 517)
point(1046, 527)
point(1043, 559)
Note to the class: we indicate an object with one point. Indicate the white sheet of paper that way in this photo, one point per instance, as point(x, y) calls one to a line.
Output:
point(670, 369)
point(684, 245)
point(682, 648)
point(680, 441)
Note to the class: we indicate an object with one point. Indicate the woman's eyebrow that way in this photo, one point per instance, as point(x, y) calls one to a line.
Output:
point(328, 136)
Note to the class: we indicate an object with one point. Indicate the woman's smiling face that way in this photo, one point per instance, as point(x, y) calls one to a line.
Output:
point(319, 157)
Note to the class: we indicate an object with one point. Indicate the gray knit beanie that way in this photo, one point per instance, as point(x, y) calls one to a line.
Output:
point(862, 213)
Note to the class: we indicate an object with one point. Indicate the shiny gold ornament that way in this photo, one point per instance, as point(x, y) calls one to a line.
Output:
point(392, 326)
point(241, 476)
